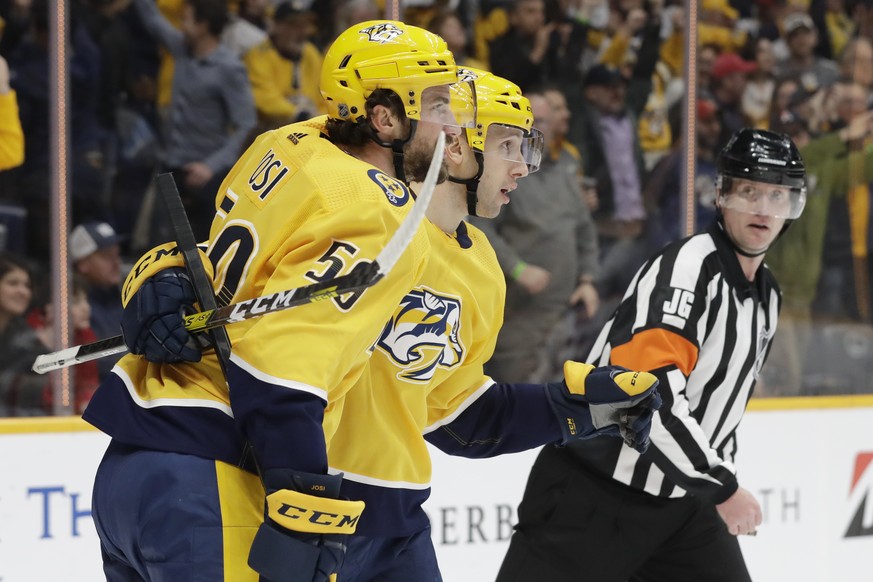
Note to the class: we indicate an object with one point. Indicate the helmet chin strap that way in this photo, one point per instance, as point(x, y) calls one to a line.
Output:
point(396, 147)
point(472, 185)
point(745, 253)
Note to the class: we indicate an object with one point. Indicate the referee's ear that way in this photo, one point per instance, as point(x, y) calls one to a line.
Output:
point(718, 196)
point(719, 191)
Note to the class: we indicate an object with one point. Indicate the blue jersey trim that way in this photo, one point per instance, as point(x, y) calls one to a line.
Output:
point(388, 512)
point(507, 418)
point(204, 432)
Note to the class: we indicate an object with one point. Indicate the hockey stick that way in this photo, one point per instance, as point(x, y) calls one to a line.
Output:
point(364, 275)
point(186, 243)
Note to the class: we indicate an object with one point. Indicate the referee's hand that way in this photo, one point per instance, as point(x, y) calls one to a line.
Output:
point(741, 513)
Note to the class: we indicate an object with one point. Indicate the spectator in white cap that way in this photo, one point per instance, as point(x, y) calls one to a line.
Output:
point(96, 256)
point(801, 38)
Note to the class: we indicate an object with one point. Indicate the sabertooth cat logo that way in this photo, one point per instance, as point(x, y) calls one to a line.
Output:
point(424, 334)
point(860, 495)
point(382, 33)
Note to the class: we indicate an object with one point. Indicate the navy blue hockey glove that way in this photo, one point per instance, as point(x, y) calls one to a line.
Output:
point(303, 537)
point(152, 322)
point(611, 401)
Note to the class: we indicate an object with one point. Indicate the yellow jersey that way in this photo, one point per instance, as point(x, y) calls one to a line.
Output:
point(275, 80)
point(11, 135)
point(426, 379)
point(294, 210)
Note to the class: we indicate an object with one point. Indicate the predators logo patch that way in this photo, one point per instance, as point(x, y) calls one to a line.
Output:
point(382, 33)
point(423, 334)
point(395, 190)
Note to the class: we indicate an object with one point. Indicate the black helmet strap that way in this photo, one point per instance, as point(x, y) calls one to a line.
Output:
point(396, 146)
point(472, 185)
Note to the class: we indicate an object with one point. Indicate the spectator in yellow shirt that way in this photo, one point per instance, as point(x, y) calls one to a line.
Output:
point(284, 70)
point(718, 25)
point(11, 136)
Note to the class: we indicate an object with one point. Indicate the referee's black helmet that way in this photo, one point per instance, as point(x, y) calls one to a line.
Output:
point(762, 156)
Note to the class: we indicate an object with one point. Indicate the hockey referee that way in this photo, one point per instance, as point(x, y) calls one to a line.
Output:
point(700, 315)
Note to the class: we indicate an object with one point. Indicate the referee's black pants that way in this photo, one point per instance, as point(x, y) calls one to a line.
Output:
point(576, 526)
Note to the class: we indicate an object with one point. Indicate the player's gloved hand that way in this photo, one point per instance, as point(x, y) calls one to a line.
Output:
point(305, 527)
point(152, 321)
point(611, 401)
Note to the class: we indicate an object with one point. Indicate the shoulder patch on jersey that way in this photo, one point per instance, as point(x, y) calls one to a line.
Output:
point(382, 33)
point(395, 190)
point(423, 334)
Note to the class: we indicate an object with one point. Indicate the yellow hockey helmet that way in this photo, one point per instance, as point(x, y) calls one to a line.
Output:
point(500, 102)
point(383, 54)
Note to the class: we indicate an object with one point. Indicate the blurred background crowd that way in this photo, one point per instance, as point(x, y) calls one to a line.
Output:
point(183, 86)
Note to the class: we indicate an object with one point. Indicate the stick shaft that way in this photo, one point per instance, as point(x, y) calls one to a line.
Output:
point(187, 244)
point(361, 277)
point(215, 318)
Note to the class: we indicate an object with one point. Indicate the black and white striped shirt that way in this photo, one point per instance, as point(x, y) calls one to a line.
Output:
point(692, 318)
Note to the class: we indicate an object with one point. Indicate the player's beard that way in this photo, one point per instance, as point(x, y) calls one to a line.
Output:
point(416, 161)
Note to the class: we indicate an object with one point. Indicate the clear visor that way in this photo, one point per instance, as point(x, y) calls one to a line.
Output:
point(512, 144)
point(765, 200)
point(451, 106)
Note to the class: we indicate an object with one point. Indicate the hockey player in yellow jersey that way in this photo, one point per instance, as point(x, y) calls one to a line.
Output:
point(425, 380)
point(214, 478)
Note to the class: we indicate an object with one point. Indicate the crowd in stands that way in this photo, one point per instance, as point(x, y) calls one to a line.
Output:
point(183, 86)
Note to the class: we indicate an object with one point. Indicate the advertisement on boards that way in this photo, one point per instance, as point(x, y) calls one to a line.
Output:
point(46, 532)
point(811, 471)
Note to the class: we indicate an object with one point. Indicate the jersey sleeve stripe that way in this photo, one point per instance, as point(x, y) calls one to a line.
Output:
point(269, 379)
point(378, 482)
point(645, 291)
point(681, 441)
point(654, 349)
point(460, 409)
point(691, 256)
point(179, 402)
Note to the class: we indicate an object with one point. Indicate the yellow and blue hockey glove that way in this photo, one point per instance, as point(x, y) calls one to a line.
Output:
point(152, 321)
point(611, 401)
point(305, 527)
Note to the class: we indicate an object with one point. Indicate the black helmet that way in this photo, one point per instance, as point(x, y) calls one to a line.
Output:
point(762, 156)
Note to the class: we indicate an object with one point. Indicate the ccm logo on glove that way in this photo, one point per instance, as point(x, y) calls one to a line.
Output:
point(317, 517)
point(306, 513)
point(571, 426)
